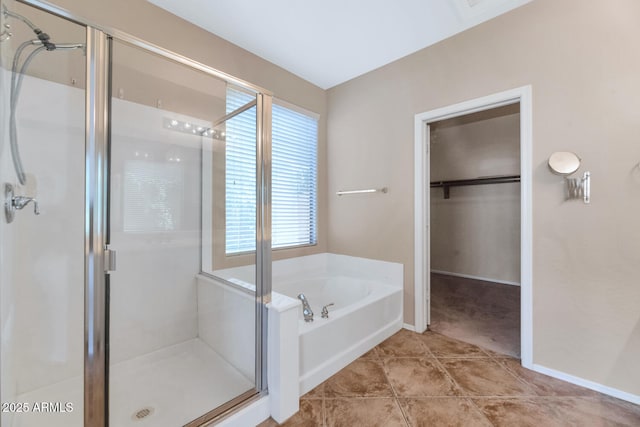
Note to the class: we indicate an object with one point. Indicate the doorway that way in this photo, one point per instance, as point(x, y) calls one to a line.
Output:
point(424, 123)
point(475, 228)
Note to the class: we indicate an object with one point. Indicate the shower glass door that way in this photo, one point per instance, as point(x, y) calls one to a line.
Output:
point(42, 151)
point(182, 311)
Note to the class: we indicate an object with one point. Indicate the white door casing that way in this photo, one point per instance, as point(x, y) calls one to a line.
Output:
point(522, 95)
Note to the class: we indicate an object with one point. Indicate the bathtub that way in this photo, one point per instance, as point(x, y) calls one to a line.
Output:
point(367, 298)
point(365, 313)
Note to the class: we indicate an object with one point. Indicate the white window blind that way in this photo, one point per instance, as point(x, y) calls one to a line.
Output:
point(294, 177)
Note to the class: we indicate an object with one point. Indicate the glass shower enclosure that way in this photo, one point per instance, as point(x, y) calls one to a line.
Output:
point(113, 309)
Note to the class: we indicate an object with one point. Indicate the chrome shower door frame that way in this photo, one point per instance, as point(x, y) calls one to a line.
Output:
point(96, 236)
point(97, 149)
point(263, 233)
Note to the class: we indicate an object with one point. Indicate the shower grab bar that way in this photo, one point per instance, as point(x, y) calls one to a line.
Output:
point(369, 190)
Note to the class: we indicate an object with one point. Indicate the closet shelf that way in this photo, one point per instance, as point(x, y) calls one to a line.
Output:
point(446, 185)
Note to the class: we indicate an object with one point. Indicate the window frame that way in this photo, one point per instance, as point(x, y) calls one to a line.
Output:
point(315, 116)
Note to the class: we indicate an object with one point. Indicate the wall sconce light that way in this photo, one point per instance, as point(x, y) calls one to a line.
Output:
point(565, 163)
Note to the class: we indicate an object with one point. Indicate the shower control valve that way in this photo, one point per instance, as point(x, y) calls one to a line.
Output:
point(14, 203)
point(19, 202)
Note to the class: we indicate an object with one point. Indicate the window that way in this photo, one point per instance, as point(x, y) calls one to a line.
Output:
point(294, 177)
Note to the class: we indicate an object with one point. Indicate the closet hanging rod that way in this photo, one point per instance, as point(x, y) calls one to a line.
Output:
point(446, 185)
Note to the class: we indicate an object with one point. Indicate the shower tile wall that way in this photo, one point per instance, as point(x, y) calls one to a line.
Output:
point(48, 250)
point(153, 291)
point(155, 223)
point(7, 309)
point(226, 324)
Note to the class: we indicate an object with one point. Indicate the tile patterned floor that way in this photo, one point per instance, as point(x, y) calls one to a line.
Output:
point(431, 380)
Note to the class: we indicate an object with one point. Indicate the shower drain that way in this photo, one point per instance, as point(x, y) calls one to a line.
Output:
point(142, 413)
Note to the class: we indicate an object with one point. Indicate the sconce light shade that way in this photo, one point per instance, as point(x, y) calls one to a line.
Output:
point(564, 163)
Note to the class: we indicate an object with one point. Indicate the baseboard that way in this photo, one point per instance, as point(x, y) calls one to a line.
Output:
point(469, 276)
point(409, 327)
point(623, 395)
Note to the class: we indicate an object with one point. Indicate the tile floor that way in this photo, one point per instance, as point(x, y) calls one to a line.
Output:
point(431, 380)
point(475, 311)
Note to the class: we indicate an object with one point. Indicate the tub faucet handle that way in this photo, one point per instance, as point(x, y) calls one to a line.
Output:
point(325, 311)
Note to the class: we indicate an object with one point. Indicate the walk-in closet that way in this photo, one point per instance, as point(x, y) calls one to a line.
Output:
point(475, 228)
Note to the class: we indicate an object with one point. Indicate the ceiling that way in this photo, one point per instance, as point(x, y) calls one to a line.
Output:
point(331, 41)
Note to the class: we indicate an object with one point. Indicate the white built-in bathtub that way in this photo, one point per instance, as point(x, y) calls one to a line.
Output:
point(365, 313)
point(367, 298)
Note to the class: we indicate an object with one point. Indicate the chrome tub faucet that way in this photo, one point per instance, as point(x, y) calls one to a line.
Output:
point(306, 308)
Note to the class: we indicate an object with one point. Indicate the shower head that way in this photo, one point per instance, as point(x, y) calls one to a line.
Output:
point(42, 36)
point(18, 71)
point(30, 24)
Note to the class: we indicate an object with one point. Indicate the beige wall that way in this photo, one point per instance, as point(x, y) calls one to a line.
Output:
point(155, 25)
point(581, 59)
point(476, 231)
